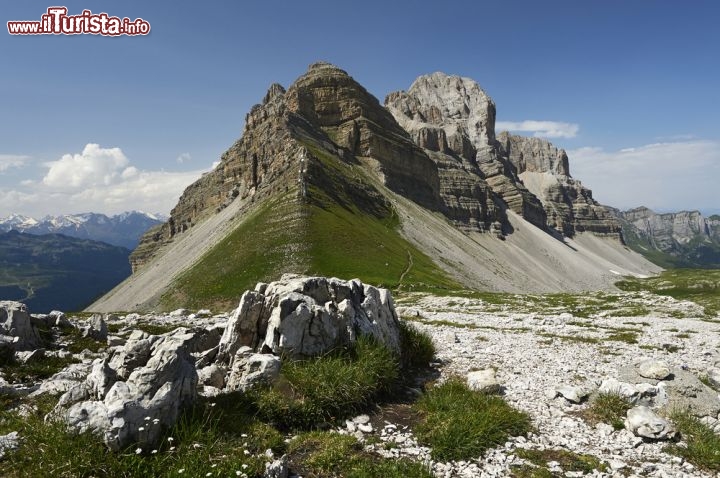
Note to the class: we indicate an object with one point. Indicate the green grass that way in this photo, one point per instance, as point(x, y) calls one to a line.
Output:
point(155, 329)
point(259, 249)
point(701, 286)
point(343, 228)
point(567, 460)
point(702, 444)
point(417, 349)
point(313, 392)
point(40, 369)
point(323, 454)
point(460, 424)
point(78, 343)
point(610, 408)
point(197, 444)
point(213, 436)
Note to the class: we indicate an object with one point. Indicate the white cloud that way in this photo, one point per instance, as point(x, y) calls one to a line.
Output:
point(8, 161)
point(183, 158)
point(541, 129)
point(95, 166)
point(666, 176)
point(99, 180)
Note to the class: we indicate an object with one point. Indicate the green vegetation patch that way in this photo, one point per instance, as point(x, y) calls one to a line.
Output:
point(608, 407)
point(567, 460)
point(461, 424)
point(322, 390)
point(197, 445)
point(266, 244)
point(702, 445)
point(323, 454)
point(701, 286)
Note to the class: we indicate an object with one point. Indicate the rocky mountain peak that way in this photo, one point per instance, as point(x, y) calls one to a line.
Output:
point(445, 111)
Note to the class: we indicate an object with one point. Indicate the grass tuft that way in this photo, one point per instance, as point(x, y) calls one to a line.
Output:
point(460, 424)
point(314, 392)
point(608, 407)
point(567, 460)
point(417, 348)
point(322, 454)
point(702, 444)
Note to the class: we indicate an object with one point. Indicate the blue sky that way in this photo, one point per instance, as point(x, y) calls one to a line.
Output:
point(630, 89)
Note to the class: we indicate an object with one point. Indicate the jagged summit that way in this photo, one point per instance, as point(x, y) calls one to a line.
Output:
point(327, 181)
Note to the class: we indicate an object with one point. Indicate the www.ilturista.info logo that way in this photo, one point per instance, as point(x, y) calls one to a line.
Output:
point(57, 22)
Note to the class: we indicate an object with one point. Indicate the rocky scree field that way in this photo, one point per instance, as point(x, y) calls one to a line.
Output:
point(322, 377)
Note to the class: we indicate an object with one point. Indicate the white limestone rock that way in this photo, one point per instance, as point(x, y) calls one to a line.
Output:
point(643, 422)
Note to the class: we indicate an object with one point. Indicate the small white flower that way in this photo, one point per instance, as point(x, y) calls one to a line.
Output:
point(138, 451)
point(196, 445)
point(213, 404)
point(244, 465)
point(246, 452)
point(153, 452)
point(213, 465)
point(156, 421)
point(170, 438)
point(148, 419)
point(238, 472)
point(208, 474)
point(172, 448)
point(181, 470)
point(141, 429)
point(244, 435)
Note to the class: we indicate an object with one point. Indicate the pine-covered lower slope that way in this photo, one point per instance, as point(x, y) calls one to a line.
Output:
point(53, 271)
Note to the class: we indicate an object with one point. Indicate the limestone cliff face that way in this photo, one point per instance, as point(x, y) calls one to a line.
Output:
point(545, 171)
point(666, 231)
point(685, 238)
point(454, 116)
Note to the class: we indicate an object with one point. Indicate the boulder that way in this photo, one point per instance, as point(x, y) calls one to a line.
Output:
point(643, 422)
point(212, 376)
point(681, 390)
point(483, 381)
point(10, 442)
point(654, 369)
point(250, 370)
point(59, 319)
point(15, 321)
point(309, 316)
point(572, 394)
point(96, 328)
point(277, 468)
point(134, 410)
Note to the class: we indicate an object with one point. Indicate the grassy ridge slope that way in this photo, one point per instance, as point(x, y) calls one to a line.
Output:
point(343, 227)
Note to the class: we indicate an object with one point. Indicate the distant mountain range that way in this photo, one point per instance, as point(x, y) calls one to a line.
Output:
point(676, 239)
point(54, 271)
point(122, 230)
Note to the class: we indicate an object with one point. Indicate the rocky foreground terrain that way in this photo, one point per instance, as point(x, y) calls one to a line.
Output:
point(548, 356)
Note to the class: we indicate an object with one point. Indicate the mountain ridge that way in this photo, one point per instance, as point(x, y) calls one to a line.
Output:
point(124, 229)
point(353, 176)
point(673, 239)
